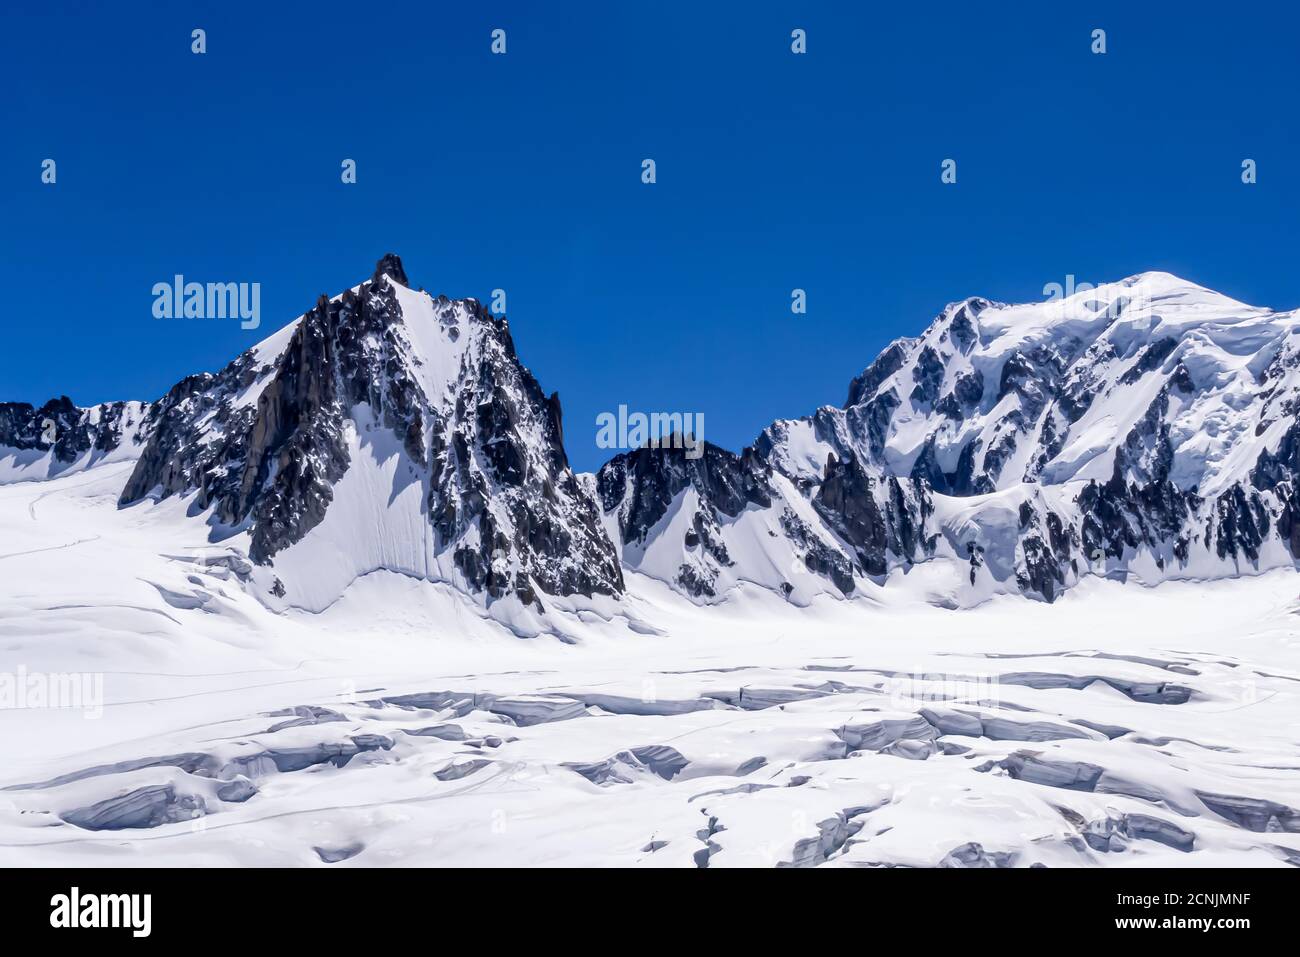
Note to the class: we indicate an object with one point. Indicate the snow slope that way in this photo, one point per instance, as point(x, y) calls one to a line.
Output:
point(1120, 726)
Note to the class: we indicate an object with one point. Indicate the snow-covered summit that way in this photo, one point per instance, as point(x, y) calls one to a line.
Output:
point(1120, 428)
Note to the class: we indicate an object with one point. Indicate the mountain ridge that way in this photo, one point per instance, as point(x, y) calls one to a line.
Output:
point(1144, 427)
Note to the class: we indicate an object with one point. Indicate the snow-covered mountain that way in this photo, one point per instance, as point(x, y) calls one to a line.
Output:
point(1146, 428)
point(384, 429)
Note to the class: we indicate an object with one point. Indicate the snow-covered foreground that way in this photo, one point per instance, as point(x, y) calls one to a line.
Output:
point(1121, 726)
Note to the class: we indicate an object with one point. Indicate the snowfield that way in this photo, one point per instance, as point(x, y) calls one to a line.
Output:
point(1122, 725)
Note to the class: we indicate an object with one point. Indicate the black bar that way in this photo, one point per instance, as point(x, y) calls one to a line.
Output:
point(367, 906)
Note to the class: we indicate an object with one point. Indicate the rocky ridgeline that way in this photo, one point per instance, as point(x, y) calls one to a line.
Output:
point(1115, 432)
point(69, 434)
point(1147, 427)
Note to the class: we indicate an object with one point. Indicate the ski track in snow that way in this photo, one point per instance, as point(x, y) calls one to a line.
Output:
point(49, 548)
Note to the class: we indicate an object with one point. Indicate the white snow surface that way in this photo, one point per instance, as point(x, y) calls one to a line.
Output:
point(1223, 343)
point(840, 734)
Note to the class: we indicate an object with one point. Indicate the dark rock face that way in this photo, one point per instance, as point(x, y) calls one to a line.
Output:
point(846, 500)
point(1079, 387)
point(1046, 547)
point(1120, 515)
point(646, 480)
point(966, 393)
point(882, 534)
point(503, 419)
point(1277, 472)
point(1151, 358)
point(640, 486)
point(963, 480)
point(1035, 377)
point(1138, 507)
point(68, 431)
point(928, 376)
point(818, 557)
point(889, 362)
point(872, 418)
point(963, 329)
point(1243, 523)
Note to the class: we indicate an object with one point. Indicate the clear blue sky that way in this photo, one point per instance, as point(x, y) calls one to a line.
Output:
point(522, 171)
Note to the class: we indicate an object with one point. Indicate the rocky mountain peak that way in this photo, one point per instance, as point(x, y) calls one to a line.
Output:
point(390, 264)
point(395, 430)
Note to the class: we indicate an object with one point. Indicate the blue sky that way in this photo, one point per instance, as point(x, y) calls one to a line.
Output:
point(522, 172)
